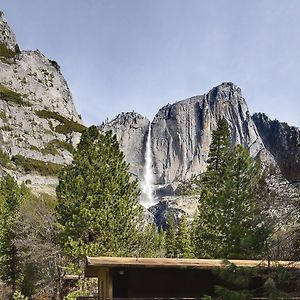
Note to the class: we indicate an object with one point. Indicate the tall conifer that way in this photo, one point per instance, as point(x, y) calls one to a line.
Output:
point(97, 199)
point(229, 222)
point(171, 251)
point(10, 264)
point(183, 240)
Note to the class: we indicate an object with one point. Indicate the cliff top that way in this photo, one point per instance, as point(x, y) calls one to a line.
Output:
point(7, 37)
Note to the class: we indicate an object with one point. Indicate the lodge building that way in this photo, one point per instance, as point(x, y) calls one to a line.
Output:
point(163, 278)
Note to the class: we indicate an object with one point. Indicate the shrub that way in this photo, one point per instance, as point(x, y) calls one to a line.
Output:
point(10, 96)
point(52, 146)
point(49, 149)
point(19, 296)
point(4, 159)
point(67, 125)
point(31, 165)
point(6, 128)
point(5, 52)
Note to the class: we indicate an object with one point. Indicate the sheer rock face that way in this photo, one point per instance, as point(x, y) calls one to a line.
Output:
point(131, 130)
point(283, 142)
point(31, 83)
point(182, 132)
point(7, 37)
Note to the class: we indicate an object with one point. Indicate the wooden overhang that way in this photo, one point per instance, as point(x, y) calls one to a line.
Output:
point(94, 264)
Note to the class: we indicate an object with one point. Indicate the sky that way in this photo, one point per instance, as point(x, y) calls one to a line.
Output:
point(139, 55)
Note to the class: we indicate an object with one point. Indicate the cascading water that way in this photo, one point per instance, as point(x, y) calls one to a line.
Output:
point(148, 198)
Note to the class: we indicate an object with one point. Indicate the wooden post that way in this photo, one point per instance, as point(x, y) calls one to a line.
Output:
point(105, 288)
point(109, 284)
point(99, 288)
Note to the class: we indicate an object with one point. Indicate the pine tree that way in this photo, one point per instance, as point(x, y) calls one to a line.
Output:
point(183, 242)
point(234, 282)
point(149, 241)
point(208, 236)
point(171, 251)
point(229, 221)
point(246, 228)
point(10, 263)
point(97, 199)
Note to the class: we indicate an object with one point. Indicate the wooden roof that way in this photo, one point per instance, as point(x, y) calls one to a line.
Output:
point(94, 264)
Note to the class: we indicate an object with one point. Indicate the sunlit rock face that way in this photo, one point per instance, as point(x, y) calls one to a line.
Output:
point(283, 142)
point(181, 134)
point(131, 130)
point(7, 37)
point(31, 83)
point(182, 131)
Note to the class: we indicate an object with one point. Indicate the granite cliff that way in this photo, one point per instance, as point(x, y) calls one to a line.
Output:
point(39, 124)
point(283, 142)
point(181, 136)
point(181, 133)
point(131, 129)
point(39, 127)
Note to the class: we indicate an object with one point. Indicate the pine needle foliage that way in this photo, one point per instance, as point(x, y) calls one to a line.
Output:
point(171, 250)
point(97, 207)
point(183, 240)
point(230, 221)
point(10, 262)
point(241, 283)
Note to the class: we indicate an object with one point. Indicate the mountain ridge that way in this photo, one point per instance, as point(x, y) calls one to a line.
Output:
point(39, 126)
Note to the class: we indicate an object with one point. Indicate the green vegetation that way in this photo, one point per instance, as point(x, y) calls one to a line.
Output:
point(189, 187)
point(33, 165)
point(6, 128)
point(5, 52)
point(34, 148)
point(12, 97)
point(19, 296)
point(183, 240)
point(50, 149)
point(230, 222)
point(3, 115)
point(10, 262)
point(97, 200)
point(151, 242)
point(4, 159)
point(67, 125)
point(243, 283)
point(52, 146)
point(178, 238)
point(96, 213)
point(171, 237)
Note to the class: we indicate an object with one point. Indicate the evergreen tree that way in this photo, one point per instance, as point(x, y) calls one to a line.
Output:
point(246, 226)
point(229, 220)
point(183, 242)
point(10, 264)
point(152, 242)
point(97, 199)
point(208, 236)
point(171, 237)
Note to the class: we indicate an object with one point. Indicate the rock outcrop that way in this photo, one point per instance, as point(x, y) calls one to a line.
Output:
point(182, 131)
point(39, 127)
point(7, 37)
point(131, 130)
point(39, 124)
point(283, 142)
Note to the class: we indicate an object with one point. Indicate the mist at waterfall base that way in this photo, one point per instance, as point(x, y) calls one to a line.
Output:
point(148, 199)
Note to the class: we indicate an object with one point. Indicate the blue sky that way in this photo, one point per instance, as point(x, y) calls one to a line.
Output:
point(125, 55)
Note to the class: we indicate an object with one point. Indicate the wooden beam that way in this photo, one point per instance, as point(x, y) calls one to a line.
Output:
point(105, 284)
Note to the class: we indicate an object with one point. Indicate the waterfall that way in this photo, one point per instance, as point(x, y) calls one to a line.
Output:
point(148, 198)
